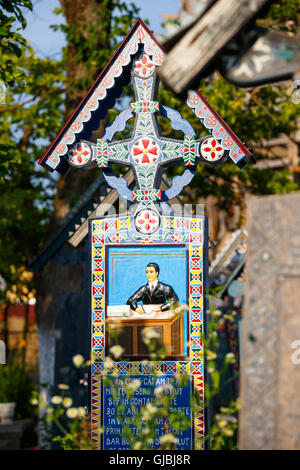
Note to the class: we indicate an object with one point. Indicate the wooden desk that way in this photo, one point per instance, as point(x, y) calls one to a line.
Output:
point(168, 325)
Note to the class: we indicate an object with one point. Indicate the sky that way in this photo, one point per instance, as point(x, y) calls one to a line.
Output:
point(47, 42)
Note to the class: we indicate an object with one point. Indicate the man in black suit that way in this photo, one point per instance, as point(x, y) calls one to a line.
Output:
point(154, 292)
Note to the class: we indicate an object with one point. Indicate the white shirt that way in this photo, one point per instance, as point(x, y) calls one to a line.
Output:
point(152, 285)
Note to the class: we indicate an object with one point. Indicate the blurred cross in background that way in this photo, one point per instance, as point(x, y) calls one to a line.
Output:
point(221, 34)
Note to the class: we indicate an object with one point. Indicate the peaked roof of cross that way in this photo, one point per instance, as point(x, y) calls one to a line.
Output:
point(106, 89)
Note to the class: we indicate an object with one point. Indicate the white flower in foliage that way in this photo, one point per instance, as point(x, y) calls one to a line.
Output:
point(78, 360)
point(56, 400)
point(116, 351)
point(67, 402)
point(81, 411)
point(168, 439)
point(72, 413)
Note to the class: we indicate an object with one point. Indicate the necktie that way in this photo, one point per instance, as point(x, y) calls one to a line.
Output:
point(151, 289)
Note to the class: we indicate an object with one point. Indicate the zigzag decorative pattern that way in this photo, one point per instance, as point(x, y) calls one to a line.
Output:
point(96, 408)
point(199, 413)
point(122, 231)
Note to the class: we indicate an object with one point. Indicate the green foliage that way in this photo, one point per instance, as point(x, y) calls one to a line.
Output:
point(11, 41)
point(284, 16)
point(139, 422)
point(17, 385)
point(263, 113)
point(30, 118)
point(94, 46)
point(223, 432)
point(32, 114)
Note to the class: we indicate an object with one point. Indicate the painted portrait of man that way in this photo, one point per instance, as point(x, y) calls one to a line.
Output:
point(142, 284)
point(153, 292)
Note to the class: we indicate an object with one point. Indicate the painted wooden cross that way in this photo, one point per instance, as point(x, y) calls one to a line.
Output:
point(146, 151)
point(177, 241)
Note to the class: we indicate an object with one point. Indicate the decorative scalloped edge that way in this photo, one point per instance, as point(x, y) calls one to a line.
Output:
point(82, 114)
point(218, 128)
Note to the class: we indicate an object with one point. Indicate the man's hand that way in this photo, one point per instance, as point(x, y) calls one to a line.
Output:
point(155, 310)
point(139, 310)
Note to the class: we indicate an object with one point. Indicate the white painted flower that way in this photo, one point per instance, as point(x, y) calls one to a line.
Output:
point(72, 413)
point(56, 400)
point(63, 387)
point(81, 411)
point(67, 402)
point(78, 360)
point(168, 439)
point(116, 351)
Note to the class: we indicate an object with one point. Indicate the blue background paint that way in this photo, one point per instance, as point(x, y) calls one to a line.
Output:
point(112, 437)
point(126, 272)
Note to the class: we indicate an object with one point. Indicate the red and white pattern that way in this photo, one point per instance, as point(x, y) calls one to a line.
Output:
point(144, 67)
point(79, 154)
point(145, 151)
point(211, 150)
point(147, 221)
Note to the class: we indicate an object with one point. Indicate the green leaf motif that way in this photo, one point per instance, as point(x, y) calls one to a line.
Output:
point(171, 151)
point(144, 125)
point(146, 176)
point(120, 152)
point(144, 92)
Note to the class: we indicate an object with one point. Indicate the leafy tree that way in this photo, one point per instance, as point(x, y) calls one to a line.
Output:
point(11, 41)
point(43, 92)
point(35, 109)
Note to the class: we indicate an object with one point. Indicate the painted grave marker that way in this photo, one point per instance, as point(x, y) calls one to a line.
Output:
point(145, 262)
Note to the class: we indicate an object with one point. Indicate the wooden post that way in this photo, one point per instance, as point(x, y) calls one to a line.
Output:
point(270, 371)
point(205, 40)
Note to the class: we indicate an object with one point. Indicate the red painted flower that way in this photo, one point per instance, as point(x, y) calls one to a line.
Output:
point(211, 149)
point(117, 237)
point(145, 151)
point(147, 221)
point(144, 67)
point(79, 154)
point(175, 236)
